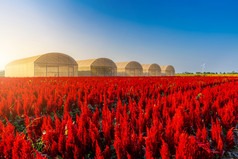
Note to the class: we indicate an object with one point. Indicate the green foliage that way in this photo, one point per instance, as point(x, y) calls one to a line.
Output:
point(39, 146)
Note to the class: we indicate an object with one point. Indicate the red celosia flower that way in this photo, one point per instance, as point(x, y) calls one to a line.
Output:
point(230, 139)
point(164, 151)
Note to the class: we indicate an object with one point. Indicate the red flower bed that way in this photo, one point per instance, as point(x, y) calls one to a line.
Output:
point(152, 117)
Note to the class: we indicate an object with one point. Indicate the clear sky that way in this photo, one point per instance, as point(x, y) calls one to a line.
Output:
point(184, 33)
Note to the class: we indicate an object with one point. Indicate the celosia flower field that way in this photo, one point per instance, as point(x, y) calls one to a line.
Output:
point(141, 117)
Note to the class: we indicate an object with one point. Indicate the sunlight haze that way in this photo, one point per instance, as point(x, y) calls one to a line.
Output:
point(185, 35)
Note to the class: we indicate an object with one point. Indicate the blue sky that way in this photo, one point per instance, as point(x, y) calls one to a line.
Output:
point(182, 33)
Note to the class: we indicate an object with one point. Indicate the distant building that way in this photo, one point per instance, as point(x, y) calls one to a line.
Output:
point(46, 65)
point(151, 69)
point(167, 70)
point(61, 65)
point(131, 68)
point(2, 73)
point(103, 67)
